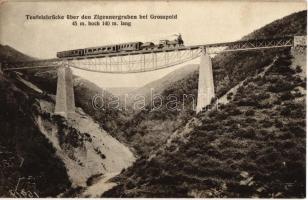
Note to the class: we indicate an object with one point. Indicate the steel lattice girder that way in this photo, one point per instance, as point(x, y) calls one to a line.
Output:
point(136, 63)
point(149, 60)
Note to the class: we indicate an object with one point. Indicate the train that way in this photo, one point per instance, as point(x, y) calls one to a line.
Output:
point(124, 47)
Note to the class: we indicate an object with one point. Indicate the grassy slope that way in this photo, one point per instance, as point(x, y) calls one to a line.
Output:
point(148, 129)
point(230, 68)
point(185, 166)
point(20, 138)
point(253, 146)
point(108, 118)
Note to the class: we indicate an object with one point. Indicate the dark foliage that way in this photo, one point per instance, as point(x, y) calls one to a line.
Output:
point(30, 152)
point(252, 147)
point(149, 128)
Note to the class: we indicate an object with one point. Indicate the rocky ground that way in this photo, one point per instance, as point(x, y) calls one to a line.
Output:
point(84, 148)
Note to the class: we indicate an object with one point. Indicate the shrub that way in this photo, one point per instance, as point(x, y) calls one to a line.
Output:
point(278, 124)
point(213, 113)
point(280, 86)
point(262, 96)
point(298, 94)
point(221, 106)
point(282, 62)
point(248, 102)
point(298, 69)
point(240, 89)
point(250, 112)
point(267, 123)
point(277, 101)
point(286, 96)
point(294, 110)
point(221, 116)
point(245, 82)
point(264, 105)
point(229, 96)
point(249, 133)
point(286, 111)
point(250, 120)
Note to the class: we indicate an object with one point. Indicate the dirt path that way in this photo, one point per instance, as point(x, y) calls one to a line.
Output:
point(97, 189)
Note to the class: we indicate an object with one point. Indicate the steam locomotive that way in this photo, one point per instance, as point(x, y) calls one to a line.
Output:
point(124, 47)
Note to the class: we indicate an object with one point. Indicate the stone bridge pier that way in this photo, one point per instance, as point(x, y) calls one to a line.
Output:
point(206, 82)
point(65, 101)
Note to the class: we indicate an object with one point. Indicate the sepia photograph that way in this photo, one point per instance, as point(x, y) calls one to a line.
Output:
point(153, 99)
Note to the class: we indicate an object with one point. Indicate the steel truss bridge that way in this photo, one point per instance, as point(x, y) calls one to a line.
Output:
point(149, 60)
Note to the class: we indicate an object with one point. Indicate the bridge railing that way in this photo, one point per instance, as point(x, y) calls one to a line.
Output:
point(241, 45)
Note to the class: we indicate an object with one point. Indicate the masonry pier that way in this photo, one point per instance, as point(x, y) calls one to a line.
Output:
point(206, 82)
point(65, 101)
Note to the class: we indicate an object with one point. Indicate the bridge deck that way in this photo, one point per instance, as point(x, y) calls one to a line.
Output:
point(228, 46)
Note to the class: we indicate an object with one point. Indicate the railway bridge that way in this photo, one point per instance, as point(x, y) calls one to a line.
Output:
point(149, 60)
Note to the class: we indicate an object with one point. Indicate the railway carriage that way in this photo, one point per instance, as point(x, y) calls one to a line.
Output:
point(70, 53)
point(100, 50)
point(124, 47)
point(131, 46)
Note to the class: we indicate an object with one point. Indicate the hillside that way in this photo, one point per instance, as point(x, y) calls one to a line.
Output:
point(294, 24)
point(45, 154)
point(253, 146)
point(145, 128)
point(158, 86)
point(9, 54)
point(25, 152)
point(231, 68)
point(85, 91)
point(149, 128)
point(120, 91)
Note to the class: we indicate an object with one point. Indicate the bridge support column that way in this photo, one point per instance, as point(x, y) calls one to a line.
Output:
point(65, 101)
point(206, 82)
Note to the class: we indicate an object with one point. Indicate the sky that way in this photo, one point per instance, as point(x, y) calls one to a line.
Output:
point(199, 22)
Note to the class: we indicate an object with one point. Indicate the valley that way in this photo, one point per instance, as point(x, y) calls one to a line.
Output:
point(251, 142)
